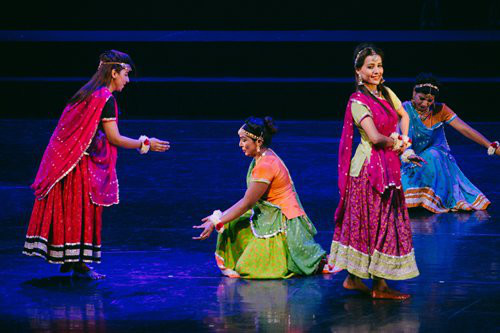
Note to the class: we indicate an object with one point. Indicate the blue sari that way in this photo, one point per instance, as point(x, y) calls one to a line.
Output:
point(440, 185)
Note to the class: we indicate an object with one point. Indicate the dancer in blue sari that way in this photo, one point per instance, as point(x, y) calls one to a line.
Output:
point(439, 186)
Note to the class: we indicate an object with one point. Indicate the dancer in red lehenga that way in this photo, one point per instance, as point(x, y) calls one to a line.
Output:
point(77, 175)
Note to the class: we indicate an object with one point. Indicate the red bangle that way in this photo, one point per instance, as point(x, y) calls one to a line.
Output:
point(146, 142)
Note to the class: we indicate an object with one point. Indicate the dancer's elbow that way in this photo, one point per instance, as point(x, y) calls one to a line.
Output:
point(378, 140)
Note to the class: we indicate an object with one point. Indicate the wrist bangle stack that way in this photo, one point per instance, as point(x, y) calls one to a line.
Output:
point(406, 140)
point(398, 141)
point(215, 219)
point(493, 148)
point(145, 145)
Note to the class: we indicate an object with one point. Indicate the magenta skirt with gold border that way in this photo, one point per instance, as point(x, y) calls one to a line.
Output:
point(374, 237)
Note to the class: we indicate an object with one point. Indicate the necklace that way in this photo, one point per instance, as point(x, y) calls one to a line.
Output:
point(423, 114)
point(375, 92)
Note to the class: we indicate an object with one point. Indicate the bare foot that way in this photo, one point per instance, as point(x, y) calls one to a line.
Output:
point(382, 291)
point(82, 271)
point(354, 283)
point(89, 275)
point(80, 267)
point(66, 267)
point(389, 294)
point(323, 262)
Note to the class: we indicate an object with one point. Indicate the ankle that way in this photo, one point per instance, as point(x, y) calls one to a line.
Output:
point(353, 278)
point(379, 284)
point(66, 267)
point(81, 267)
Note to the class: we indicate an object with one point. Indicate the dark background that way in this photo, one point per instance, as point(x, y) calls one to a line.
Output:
point(251, 15)
point(293, 79)
point(161, 280)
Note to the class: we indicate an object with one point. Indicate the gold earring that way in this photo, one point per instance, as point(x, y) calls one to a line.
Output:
point(258, 149)
point(360, 80)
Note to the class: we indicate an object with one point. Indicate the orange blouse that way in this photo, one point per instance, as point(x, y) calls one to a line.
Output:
point(271, 170)
point(441, 114)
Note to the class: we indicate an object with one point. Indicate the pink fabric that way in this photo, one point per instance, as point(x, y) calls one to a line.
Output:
point(374, 237)
point(102, 162)
point(72, 137)
point(384, 165)
point(374, 222)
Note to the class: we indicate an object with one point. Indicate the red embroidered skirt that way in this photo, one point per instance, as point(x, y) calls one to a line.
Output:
point(65, 226)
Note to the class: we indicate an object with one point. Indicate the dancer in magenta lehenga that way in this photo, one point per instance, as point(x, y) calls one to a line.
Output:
point(77, 175)
point(372, 237)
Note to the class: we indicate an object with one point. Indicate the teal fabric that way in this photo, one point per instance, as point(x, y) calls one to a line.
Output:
point(441, 174)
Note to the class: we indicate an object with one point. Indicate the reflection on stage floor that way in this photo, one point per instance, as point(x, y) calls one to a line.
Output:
point(158, 279)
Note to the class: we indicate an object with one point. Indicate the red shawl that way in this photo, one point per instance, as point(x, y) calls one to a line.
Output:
point(76, 131)
point(384, 165)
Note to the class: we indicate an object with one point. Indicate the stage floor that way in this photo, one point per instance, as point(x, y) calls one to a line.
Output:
point(159, 279)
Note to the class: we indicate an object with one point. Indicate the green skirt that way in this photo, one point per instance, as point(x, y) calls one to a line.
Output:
point(263, 244)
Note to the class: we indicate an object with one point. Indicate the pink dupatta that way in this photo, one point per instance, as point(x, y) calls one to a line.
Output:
point(384, 164)
point(76, 131)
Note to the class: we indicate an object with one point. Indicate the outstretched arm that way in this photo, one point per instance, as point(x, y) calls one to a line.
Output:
point(463, 128)
point(116, 139)
point(254, 192)
point(252, 195)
